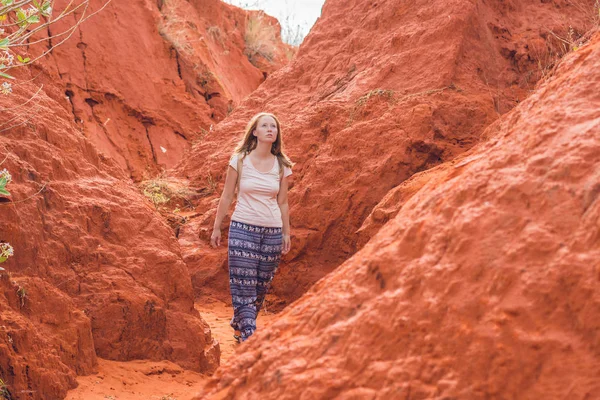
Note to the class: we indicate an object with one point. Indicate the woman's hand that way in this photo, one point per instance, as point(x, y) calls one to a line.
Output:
point(286, 244)
point(215, 238)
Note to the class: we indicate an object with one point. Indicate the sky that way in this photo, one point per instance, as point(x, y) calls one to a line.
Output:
point(301, 12)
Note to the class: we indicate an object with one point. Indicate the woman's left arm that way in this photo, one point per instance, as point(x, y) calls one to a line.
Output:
point(282, 200)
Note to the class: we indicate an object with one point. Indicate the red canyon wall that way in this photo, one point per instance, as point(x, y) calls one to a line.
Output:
point(379, 91)
point(478, 273)
point(484, 285)
point(146, 78)
point(96, 271)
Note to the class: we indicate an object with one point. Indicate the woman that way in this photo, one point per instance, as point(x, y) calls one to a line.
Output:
point(259, 231)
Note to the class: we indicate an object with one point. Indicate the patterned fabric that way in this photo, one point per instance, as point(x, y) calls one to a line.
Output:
point(254, 254)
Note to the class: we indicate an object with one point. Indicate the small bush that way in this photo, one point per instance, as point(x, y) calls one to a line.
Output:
point(363, 100)
point(22, 294)
point(174, 29)
point(558, 43)
point(215, 33)
point(164, 190)
point(4, 393)
point(6, 251)
point(384, 93)
point(17, 17)
point(591, 11)
point(5, 179)
point(20, 20)
point(260, 38)
point(212, 184)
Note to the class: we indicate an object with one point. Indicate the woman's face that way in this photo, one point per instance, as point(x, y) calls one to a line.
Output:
point(266, 129)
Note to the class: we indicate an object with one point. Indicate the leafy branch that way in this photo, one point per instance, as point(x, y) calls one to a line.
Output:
point(20, 20)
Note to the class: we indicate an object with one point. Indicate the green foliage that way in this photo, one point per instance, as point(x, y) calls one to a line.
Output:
point(157, 191)
point(21, 20)
point(162, 191)
point(6, 251)
point(5, 179)
point(4, 393)
point(15, 30)
point(23, 17)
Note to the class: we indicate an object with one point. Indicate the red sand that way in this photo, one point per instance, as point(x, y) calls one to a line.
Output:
point(135, 380)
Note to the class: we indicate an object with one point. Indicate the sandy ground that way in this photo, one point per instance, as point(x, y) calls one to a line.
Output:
point(163, 380)
point(217, 314)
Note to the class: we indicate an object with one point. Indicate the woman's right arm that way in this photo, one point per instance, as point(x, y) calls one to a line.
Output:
point(224, 203)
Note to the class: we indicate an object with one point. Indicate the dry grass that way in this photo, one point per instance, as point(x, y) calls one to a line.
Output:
point(22, 294)
point(214, 32)
point(211, 184)
point(174, 28)
point(199, 136)
point(290, 52)
point(560, 42)
point(260, 38)
point(386, 94)
point(392, 98)
point(164, 191)
point(4, 393)
point(591, 11)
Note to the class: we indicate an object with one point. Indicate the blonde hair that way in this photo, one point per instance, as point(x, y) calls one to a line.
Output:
point(249, 141)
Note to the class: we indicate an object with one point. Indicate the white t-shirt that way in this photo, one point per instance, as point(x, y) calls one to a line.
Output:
point(257, 197)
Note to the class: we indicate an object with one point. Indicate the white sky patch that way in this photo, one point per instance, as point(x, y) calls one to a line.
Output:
point(303, 13)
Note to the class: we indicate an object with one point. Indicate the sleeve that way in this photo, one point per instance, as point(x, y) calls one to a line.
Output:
point(286, 171)
point(233, 161)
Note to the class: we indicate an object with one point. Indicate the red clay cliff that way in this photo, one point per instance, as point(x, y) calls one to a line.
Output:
point(444, 204)
point(378, 92)
point(97, 272)
point(483, 285)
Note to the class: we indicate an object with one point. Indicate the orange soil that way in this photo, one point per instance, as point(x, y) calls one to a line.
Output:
point(217, 314)
point(163, 380)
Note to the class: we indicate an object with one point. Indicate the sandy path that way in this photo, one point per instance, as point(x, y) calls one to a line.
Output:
point(149, 380)
point(137, 380)
point(218, 315)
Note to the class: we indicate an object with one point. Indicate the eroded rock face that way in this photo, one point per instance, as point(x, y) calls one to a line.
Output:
point(45, 340)
point(146, 78)
point(96, 271)
point(484, 285)
point(378, 92)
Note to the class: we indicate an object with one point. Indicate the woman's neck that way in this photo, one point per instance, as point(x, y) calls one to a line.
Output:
point(263, 149)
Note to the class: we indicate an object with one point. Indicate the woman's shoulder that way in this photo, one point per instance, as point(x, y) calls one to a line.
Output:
point(234, 159)
point(236, 156)
point(287, 171)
